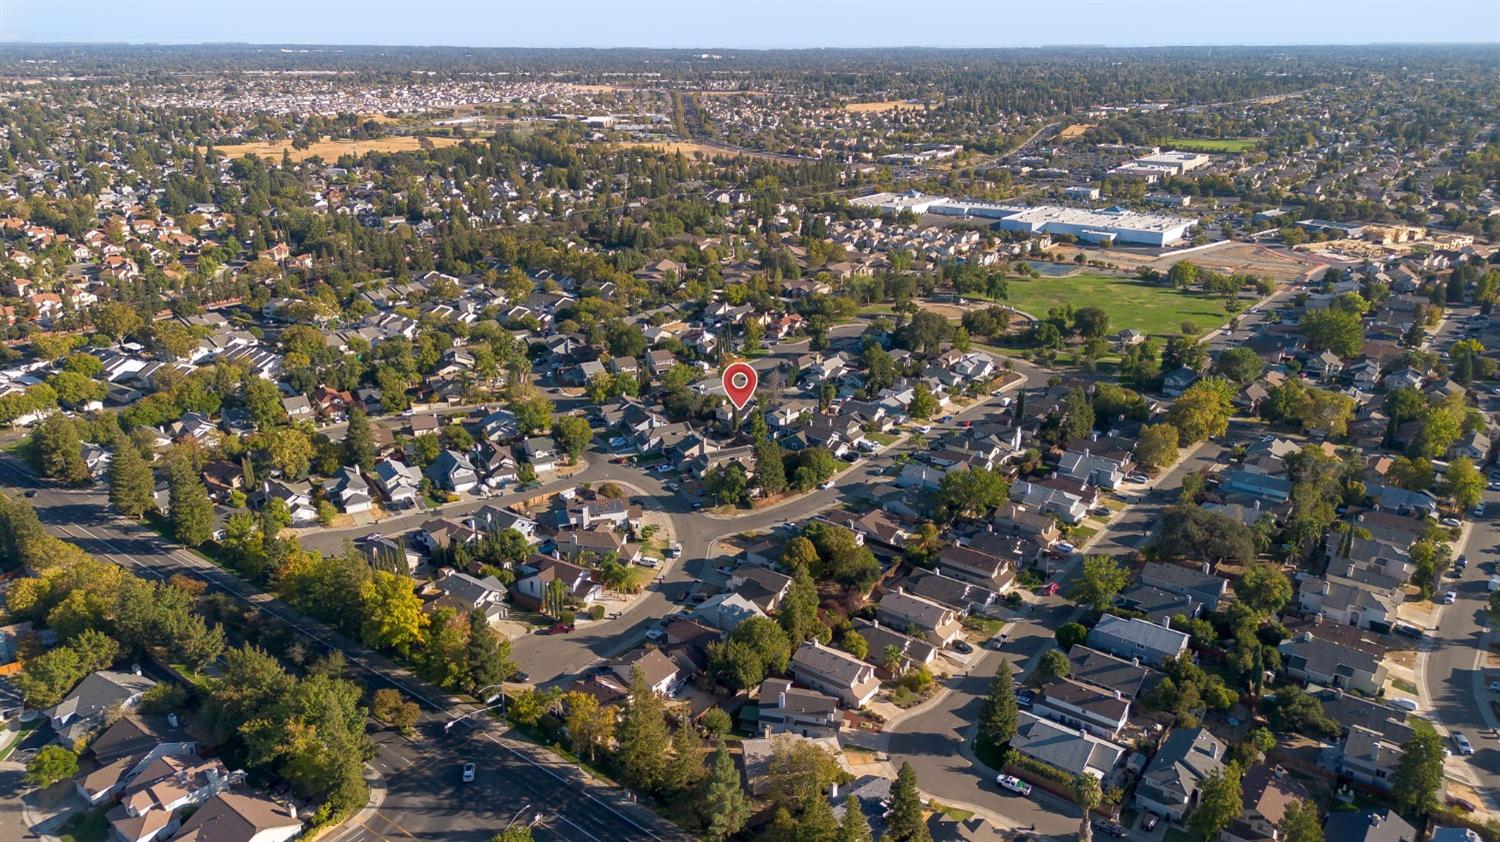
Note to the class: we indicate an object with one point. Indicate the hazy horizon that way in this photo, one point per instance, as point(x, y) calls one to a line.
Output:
point(758, 25)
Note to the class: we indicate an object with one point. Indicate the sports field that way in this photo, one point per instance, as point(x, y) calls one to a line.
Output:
point(1156, 310)
point(1233, 145)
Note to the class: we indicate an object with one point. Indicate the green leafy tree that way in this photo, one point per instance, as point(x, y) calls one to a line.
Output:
point(998, 718)
point(1418, 777)
point(1203, 411)
point(573, 434)
point(972, 492)
point(1301, 823)
point(1100, 581)
point(1241, 364)
point(1264, 589)
point(798, 613)
point(1219, 802)
point(1054, 664)
point(1087, 795)
point(1157, 446)
point(131, 488)
point(394, 619)
point(923, 405)
point(487, 654)
point(532, 414)
point(51, 764)
point(723, 807)
point(263, 401)
point(851, 641)
point(800, 552)
point(904, 822)
point(799, 773)
point(1463, 483)
point(1334, 330)
point(188, 507)
point(770, 466)
point(854, 827)
point(727, 484)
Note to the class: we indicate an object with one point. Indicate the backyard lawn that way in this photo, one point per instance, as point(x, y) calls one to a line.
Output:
point(1156, 310)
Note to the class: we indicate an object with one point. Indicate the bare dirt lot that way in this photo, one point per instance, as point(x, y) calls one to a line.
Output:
point(1229, 257)
point(1074, 131)
point(688, 147)
point(886, 105)
point(331, 150)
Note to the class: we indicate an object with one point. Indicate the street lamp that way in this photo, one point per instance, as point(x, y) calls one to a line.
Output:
point(452, 722)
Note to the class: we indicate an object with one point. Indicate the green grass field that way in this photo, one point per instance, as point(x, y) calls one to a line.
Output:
point(1156, 310)
point(1234, 145)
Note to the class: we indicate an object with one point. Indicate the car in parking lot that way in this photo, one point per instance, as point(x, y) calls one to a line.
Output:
point(1014, 784)
point(1465, 747)
point(1478, 511)
point(468, 773)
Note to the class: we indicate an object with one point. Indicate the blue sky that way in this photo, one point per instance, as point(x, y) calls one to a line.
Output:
point(752, 24)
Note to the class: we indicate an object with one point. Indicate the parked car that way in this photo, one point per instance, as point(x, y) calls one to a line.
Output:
point(827, 485)
point(962, 647)
point(1465, 747)
point(1110, 828)
point(468, 773)
point(1460, 803)
point(559, 628)
point(1495, 686)
point(1024, 698)
point(520, 677)
point(1409, 705)
point(1137, 478)
point(1064, 547)
point(1148, 822)
point(674, 550)
point(1408, 631)
point(1478, 511)
point(1449, 597)
point(1461, 562)
point(1452, 522)
point(1014, 784)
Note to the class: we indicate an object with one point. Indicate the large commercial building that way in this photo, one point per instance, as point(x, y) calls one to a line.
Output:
point(1106, 227)
point(1159, 165)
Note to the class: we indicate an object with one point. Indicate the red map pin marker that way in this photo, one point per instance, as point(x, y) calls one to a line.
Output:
point(739, 384)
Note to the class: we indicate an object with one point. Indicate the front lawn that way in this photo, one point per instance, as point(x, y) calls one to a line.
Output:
point(91, 826)
point(1156, 310)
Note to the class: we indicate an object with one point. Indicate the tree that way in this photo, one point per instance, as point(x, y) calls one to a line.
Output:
point(487, 654)
point(755, 648)
point(817, 823)
point(1464, 483)
point(1182, 274)
point(1291, 710)
point(1070, 634)
point(51, 764)
point(923, 405)
point(359, 442)
point(288, 449)
point(1157, 446)
point(1301, 823)
point(1087, 795)
point(852, 642)
point(1264, 589)
point(727, 484)
point(972, 492)
point(263, 401)
point(642, 734)
point(390, 707)
point(520, 833)
point(1219, 801)
point(393, 616)
point(115, 318)
point(1091, 322)
point(573, 434)
point(800, 552)
point(855, 827)
point(686, 771)
point(998, 718)
point(798, 614)
point(1054, 664)
point(1239, 364)
point(799, 773)
point(59, 450)
point(904, 823)
point(188, 507)
point(1333, 330)
point(770, 466)
point(533, 414)
point(131, 489)
point(590, 724)
point(1190, 532)
point(716, 722)
point(723, 807)
point(1418, 776)
point(1202, 412)
point(1100, 581)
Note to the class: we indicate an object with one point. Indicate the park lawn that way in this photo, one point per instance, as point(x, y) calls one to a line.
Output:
point(1234, 145)
point(1155, 310)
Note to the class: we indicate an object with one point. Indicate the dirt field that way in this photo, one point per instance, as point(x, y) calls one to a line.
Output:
point(887, 105)
point(1231, 257)
point(689, 148)
point(1074, 131)
point(330, 150)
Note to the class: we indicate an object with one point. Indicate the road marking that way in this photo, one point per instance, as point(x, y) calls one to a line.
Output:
point(562, 780)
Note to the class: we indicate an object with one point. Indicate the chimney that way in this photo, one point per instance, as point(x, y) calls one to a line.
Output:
point(1206, 569)
point(135, 669)
point(172, 719)
point(781, 699)
point(833, 792)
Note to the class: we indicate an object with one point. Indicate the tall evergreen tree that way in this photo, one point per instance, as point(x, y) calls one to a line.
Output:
point(817, 824)
point(130, 484)
point(998, 718)
point(770, 465)
point(188, 506)
point(488, 654)
point(905, 824)
point(359, 442)
point(855, 827)
point(1419, 772)
point(58, 451)
point(643, 736)
point(724, 807)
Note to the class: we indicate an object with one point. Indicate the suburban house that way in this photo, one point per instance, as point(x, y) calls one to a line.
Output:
point(1319, 659)
point(788, 709)
point(1169, 786)
point(1133, 638)
point(125, 748)
point(399, 482)
point(836, 673)
point(149, 803)
point(982, 568)
point(662, 674)
point(84, 709)
point(1041, 498)
point(1382, 825)
point(230, 817)
point(453, 471)
point(1174, 578)
point(1108, 672)
point(578, 584)
point(1265, 791)
point(1074, 751)
point(466, 593)
point(1370, 755)
point(351, 490)
point(1075, 704)
point(726, 611)
point(879, 639)
point(938, 623)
